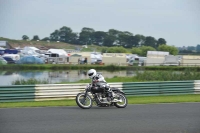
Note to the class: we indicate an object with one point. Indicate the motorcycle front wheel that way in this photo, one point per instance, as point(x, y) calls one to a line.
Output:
point(84, 102)
point(123, 102)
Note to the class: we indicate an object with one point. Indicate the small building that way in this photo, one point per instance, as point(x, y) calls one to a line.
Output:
point(190, 60)
point(75, 59)
point(114, 59)
point(155, 58)
point(85, 55)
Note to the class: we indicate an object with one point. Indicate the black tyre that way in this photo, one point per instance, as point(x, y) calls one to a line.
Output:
point(123, 104)
point(83, 102)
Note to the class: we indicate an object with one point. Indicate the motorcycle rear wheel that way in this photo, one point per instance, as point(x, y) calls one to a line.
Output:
point(124, 102)
point(83, 102)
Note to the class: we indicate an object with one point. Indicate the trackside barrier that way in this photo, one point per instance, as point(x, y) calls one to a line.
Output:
point(15, 93)
point(57, 91)
point(62, 91)
point(197, 86)
point(159, 88)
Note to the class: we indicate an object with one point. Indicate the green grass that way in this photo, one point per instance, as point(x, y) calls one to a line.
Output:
point(97, 67)
point(131, 100)
point(148, 76)
point(163, 99)
point(60, 67)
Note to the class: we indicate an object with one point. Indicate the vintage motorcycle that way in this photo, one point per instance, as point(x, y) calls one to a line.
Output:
point(101, 98)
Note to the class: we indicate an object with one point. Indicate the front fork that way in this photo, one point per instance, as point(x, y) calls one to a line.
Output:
point(85, 94)
point(84, 98)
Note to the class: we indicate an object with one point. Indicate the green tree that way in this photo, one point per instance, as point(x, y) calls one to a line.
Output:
point(55, 36)
point(126, 39)
point(45, 39)
point(114, 32)
point(134, 41)
point(111, 38)
point(137, 51)
point(65, 34)
point(35, 38)
point(74, 38)
point(128, 33)
point(198, 48)
point(114, 50)
point(161, 41)
point(145, 49)
point(104, 50)
point(99, 37)
point(150, 41)
point(191, 48)
point(86, 36)
point(141, 39)
point(109, 41)
point(171, 49)
point(25, 37)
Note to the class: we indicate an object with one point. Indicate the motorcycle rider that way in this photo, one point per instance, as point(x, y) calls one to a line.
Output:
point(99, 81)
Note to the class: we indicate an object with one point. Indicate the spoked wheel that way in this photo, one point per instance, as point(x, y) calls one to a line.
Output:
point(123, 101)
point(83, 102)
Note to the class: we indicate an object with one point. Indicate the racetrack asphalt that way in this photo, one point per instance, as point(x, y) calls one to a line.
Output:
point(147, 118)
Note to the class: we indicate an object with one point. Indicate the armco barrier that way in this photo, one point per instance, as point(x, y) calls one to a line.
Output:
point(197, 86)
point(159, 88)
point(57, 91)
point(62, 91)
point(15, 93)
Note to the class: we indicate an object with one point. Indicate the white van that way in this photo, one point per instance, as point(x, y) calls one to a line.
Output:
point(54, 58)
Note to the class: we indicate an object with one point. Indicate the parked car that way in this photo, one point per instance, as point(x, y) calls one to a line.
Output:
point(9, 60)
point(99, 62)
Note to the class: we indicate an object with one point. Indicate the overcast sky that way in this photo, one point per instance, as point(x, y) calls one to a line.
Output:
point(177, 21)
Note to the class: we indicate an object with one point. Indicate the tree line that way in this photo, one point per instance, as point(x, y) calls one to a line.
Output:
point(141, 51)
point(111, 38)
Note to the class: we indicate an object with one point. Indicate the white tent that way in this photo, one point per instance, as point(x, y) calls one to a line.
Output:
point(96, 56)
point(30, 51)
point(157, 53)
point(61, 52)
point(30, 48)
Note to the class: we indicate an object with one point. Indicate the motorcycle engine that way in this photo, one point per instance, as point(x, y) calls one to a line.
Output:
point(103, 98)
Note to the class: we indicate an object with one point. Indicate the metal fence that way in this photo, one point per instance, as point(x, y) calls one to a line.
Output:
point(16, 93)
point(159, 88)
point(197, 86)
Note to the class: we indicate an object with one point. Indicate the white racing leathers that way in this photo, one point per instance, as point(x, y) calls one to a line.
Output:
point(101, 82)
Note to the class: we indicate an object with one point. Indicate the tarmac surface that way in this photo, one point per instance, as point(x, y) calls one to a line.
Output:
point(150, 118)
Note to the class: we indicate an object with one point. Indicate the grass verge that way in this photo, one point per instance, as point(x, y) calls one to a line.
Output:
point(131, 100)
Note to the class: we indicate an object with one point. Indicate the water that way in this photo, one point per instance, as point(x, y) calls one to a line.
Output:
point(7, 77)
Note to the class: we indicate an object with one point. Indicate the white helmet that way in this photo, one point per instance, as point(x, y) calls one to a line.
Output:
point(92, 73)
